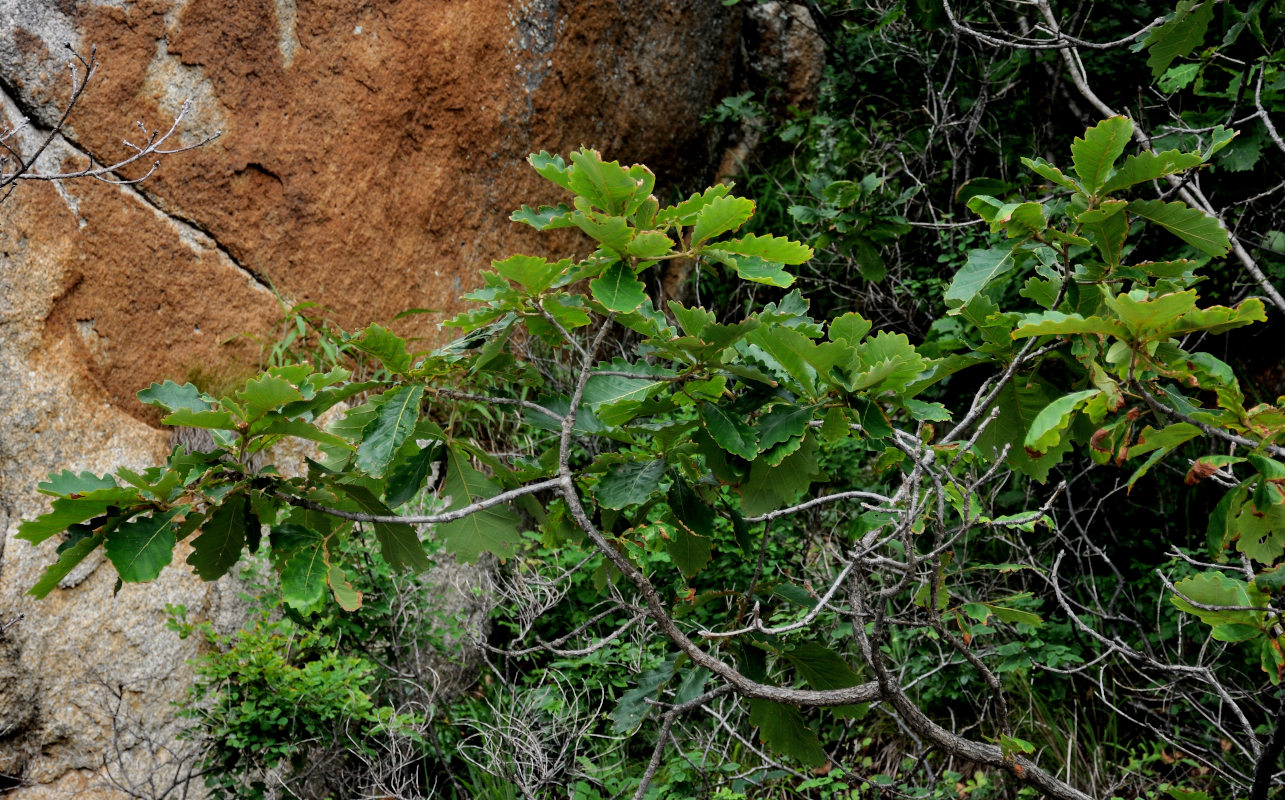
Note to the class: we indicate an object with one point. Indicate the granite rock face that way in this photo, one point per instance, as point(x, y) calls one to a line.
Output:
point(369, 156)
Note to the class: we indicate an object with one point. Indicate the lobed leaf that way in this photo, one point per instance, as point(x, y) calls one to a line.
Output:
point(618, 289)
point(1093, 156)
point(381, 439)
point(719, 216)
point(769, 248)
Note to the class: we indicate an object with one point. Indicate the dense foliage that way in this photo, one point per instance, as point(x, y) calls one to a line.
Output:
point(1001, 516)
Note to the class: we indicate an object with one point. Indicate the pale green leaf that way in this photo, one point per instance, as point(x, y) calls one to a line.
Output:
point(1047, 427)
point(171, 396)
point(1193, 226)
point(303, 580)
point(769, 248)
point(649, 245)
point(685, 212)
point(1148, 166)
point(982, 268)
point(719, 216)
point(618, 289)
point(1093, 156)
point(348, 598)
point(532, 273)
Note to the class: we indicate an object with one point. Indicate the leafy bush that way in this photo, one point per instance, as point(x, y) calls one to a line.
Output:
point(683, 456)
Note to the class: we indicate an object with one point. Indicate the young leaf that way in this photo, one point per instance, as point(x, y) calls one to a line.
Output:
point(605, 183)
point(545, 218)
point(264, 393)
point(650, 244)
point(613, 233)
point(532, 273)
point(551, 168)
point(1094, 155)
point(685, 212)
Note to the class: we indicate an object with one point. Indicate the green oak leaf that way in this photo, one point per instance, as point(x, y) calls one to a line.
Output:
point(222, 537)
point(395, 421)
point(618, 289)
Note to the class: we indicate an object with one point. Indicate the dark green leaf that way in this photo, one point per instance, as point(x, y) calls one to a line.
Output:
point(398, 543)
point(67, 561)
point(492, 530)
point(222, 537)
point(689, 552)
point(633, 705)
point(820, 667)
point(397, 416)
point(783, 729)
point(730, 430)
point(689, 510)
point(629, 483)
point(1181, 34)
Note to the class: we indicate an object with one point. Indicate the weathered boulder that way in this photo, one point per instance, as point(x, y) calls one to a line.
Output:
point(368, 159)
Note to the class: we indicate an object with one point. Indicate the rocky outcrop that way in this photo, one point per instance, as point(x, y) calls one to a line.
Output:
point(369, 156)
